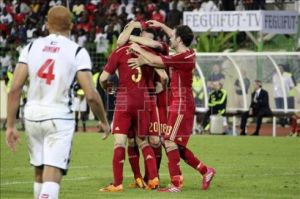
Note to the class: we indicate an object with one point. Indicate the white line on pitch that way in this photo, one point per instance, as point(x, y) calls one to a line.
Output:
point(161, 174)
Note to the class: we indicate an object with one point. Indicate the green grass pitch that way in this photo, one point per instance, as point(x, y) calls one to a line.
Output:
point(247, 167)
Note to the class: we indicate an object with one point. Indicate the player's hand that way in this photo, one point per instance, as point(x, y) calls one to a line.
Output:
point(153, 23)
point(133, 62)
point(135, 48)
point(250, 112)
point(137, 24)
point(12, 138)
point(158, 87)
point(106, 130)
point(134, 24)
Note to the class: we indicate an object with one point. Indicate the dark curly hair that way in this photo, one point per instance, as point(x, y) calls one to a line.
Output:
point(185, 33)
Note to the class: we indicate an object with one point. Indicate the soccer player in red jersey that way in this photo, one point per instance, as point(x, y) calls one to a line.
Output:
point(156, 82)
point(131, 111)
point(182, 105)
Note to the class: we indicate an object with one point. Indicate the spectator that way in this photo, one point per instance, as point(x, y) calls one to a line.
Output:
point(247, 4)
point(90, 7)
point(35, 6)
point(113, 7)
point(128, 7)
point(216, 103)
point(295, 130)
point(123, 17)
point(197, 86)
point(5, 62)
point(291, 92)
point(19, 17)
point(24, 8)
point(6, 18)
point(78, 8)
point(29, 32)
point(81, 38)
point(278, 91)
point(5, 59)
point(180, 5)
point(131, 15)
point(228, 5)
point(258, 5)
point(239, 5)
point(102, 45)
point(79, 106)
point(208, 6)
point(174, 17)
point(100, 19)
point(238, 89)
point(259, 108)
point(216, 75)
point(197, 6)
point(3, 39)
point(158, 15)
point(2, 6)
point(198, 94)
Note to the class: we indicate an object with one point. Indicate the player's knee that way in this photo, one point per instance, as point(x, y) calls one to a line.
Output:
point(170, 145)
point(120, 140)
point(52, 174)
point(154, 141)
point(181, 150)
point(142, 142)
point(131, 142)
point(39, 174)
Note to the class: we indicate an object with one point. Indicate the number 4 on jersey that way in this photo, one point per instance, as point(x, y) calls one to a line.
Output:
point(46, 71)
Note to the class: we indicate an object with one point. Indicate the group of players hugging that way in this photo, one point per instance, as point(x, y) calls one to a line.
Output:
point(154, 105)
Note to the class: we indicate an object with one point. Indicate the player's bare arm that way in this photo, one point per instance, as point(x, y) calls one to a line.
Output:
point(166, 29)
point(103, 79)
point(146, 42)
point(139, 61)
point(13, 101)
point(164, 78)
point(86, 82)
point(155, 60)
point(124, 36)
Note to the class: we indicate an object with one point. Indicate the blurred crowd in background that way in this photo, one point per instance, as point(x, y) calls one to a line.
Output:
point(97, 23)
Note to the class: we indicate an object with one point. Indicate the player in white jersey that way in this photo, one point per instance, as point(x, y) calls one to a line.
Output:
point(51, 64)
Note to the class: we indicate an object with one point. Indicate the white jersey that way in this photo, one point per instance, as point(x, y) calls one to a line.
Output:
point(52, 63)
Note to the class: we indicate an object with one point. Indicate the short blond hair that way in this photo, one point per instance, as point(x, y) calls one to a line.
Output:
point(59, 19)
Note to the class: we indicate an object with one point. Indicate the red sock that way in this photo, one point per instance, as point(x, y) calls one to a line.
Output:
point(134, 159)
point(146, 176)
point(118, 162)
point(150, 162)
point(193, 161)
point(174, 159)
point(157, 152)
point(293, 124)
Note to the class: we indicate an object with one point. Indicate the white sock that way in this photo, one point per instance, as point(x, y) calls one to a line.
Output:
point(37, 189)
point(50, 190)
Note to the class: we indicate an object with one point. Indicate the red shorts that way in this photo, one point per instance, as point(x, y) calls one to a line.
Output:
point(180, 125)
point(131, 120)
point(158, 120)
point(154, 127)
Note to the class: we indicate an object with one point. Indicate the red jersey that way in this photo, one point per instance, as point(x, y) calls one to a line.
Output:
point(132, 88)
point(162, 97)
point(182, 66)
